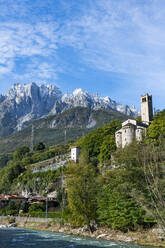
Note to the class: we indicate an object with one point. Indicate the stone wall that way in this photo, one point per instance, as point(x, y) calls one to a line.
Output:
point(19, 219)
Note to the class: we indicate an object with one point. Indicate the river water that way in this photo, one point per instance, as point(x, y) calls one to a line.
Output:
point(21, 238)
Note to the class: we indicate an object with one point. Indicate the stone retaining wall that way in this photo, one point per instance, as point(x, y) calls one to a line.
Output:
point(25, 219)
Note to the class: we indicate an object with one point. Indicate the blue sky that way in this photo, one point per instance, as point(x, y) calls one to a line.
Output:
point(110, 47)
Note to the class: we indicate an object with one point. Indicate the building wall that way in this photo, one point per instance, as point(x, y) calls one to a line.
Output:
point(118, 138)
point(75, 152)
point(139, 133)
point(128, 135)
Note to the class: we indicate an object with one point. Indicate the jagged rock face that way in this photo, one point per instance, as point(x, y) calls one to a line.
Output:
point(80, 98)
point(28, 102)
point(25, 102)
point(38, 100)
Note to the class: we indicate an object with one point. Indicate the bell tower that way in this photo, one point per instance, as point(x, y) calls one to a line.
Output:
point(146, 109)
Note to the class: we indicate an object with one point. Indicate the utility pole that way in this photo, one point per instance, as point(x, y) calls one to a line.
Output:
point(32, 137)
point(65, 135)
point(46, 207)
point(62, 189)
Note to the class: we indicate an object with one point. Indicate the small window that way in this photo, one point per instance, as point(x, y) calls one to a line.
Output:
point(144, 99)
point(125, 131)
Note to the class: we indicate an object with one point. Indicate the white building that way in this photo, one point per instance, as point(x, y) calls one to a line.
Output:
point(132, 129)
point(75, 153)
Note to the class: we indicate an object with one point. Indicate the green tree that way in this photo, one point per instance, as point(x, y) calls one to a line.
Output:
point(116, 207)
point(13, 207)
point(107, 148)
point(39, 146)
point(82, 193)
point(37, 209)
point(156, 131)
point(8, 174)
point(4, 158)
point(21, 152)
point(93, 142)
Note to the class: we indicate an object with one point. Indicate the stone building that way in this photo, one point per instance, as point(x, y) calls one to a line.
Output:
point(146, 109)
point(6, 199)
point(132, 129)
point(75, 153)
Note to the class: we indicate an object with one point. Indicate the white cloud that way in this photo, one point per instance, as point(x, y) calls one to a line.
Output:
point(6, 68)
point(20, 39)
point(37, 70)
point(25, 41)
point(118, 36)
point(123, 36)
point(43, 70)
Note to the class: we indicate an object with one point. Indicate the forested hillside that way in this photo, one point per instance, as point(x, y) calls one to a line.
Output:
point(61, 128)
point(120, 188)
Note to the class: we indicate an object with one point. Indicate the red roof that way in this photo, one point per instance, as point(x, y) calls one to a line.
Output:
point(6, 197)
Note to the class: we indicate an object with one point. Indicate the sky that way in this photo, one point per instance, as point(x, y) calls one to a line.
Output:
point(114, 48)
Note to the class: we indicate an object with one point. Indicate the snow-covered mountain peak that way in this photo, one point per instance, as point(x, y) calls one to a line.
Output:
point(44, 98)
point(30, 100)
point(107, 99)
point(25, 102)
point(79, 92)
point(133, 108)
point(50, 90)
point(84, 99)
point(78, 98)
point(32, 90)
point(20, 90)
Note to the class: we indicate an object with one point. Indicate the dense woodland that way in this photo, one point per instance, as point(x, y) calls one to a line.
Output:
point(120, 188)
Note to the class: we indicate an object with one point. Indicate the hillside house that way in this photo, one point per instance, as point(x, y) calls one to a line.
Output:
point(75, 153)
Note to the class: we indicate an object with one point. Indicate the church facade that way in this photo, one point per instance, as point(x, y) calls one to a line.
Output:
point(132, 129)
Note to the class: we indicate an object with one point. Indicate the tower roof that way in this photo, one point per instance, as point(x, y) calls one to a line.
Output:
point(128, 122)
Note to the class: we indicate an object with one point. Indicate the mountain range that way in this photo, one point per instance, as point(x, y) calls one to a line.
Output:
point(56, 118)
point(27, 102)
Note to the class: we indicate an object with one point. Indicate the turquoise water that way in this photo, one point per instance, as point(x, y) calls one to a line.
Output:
point(21, 238)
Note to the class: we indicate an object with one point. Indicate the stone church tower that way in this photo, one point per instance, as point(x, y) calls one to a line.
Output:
point(146, 109)
point(132, 129)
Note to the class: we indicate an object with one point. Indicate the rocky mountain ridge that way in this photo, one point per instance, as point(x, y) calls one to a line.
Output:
point(27, 102)
point(62, 128)
point(80, 98)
